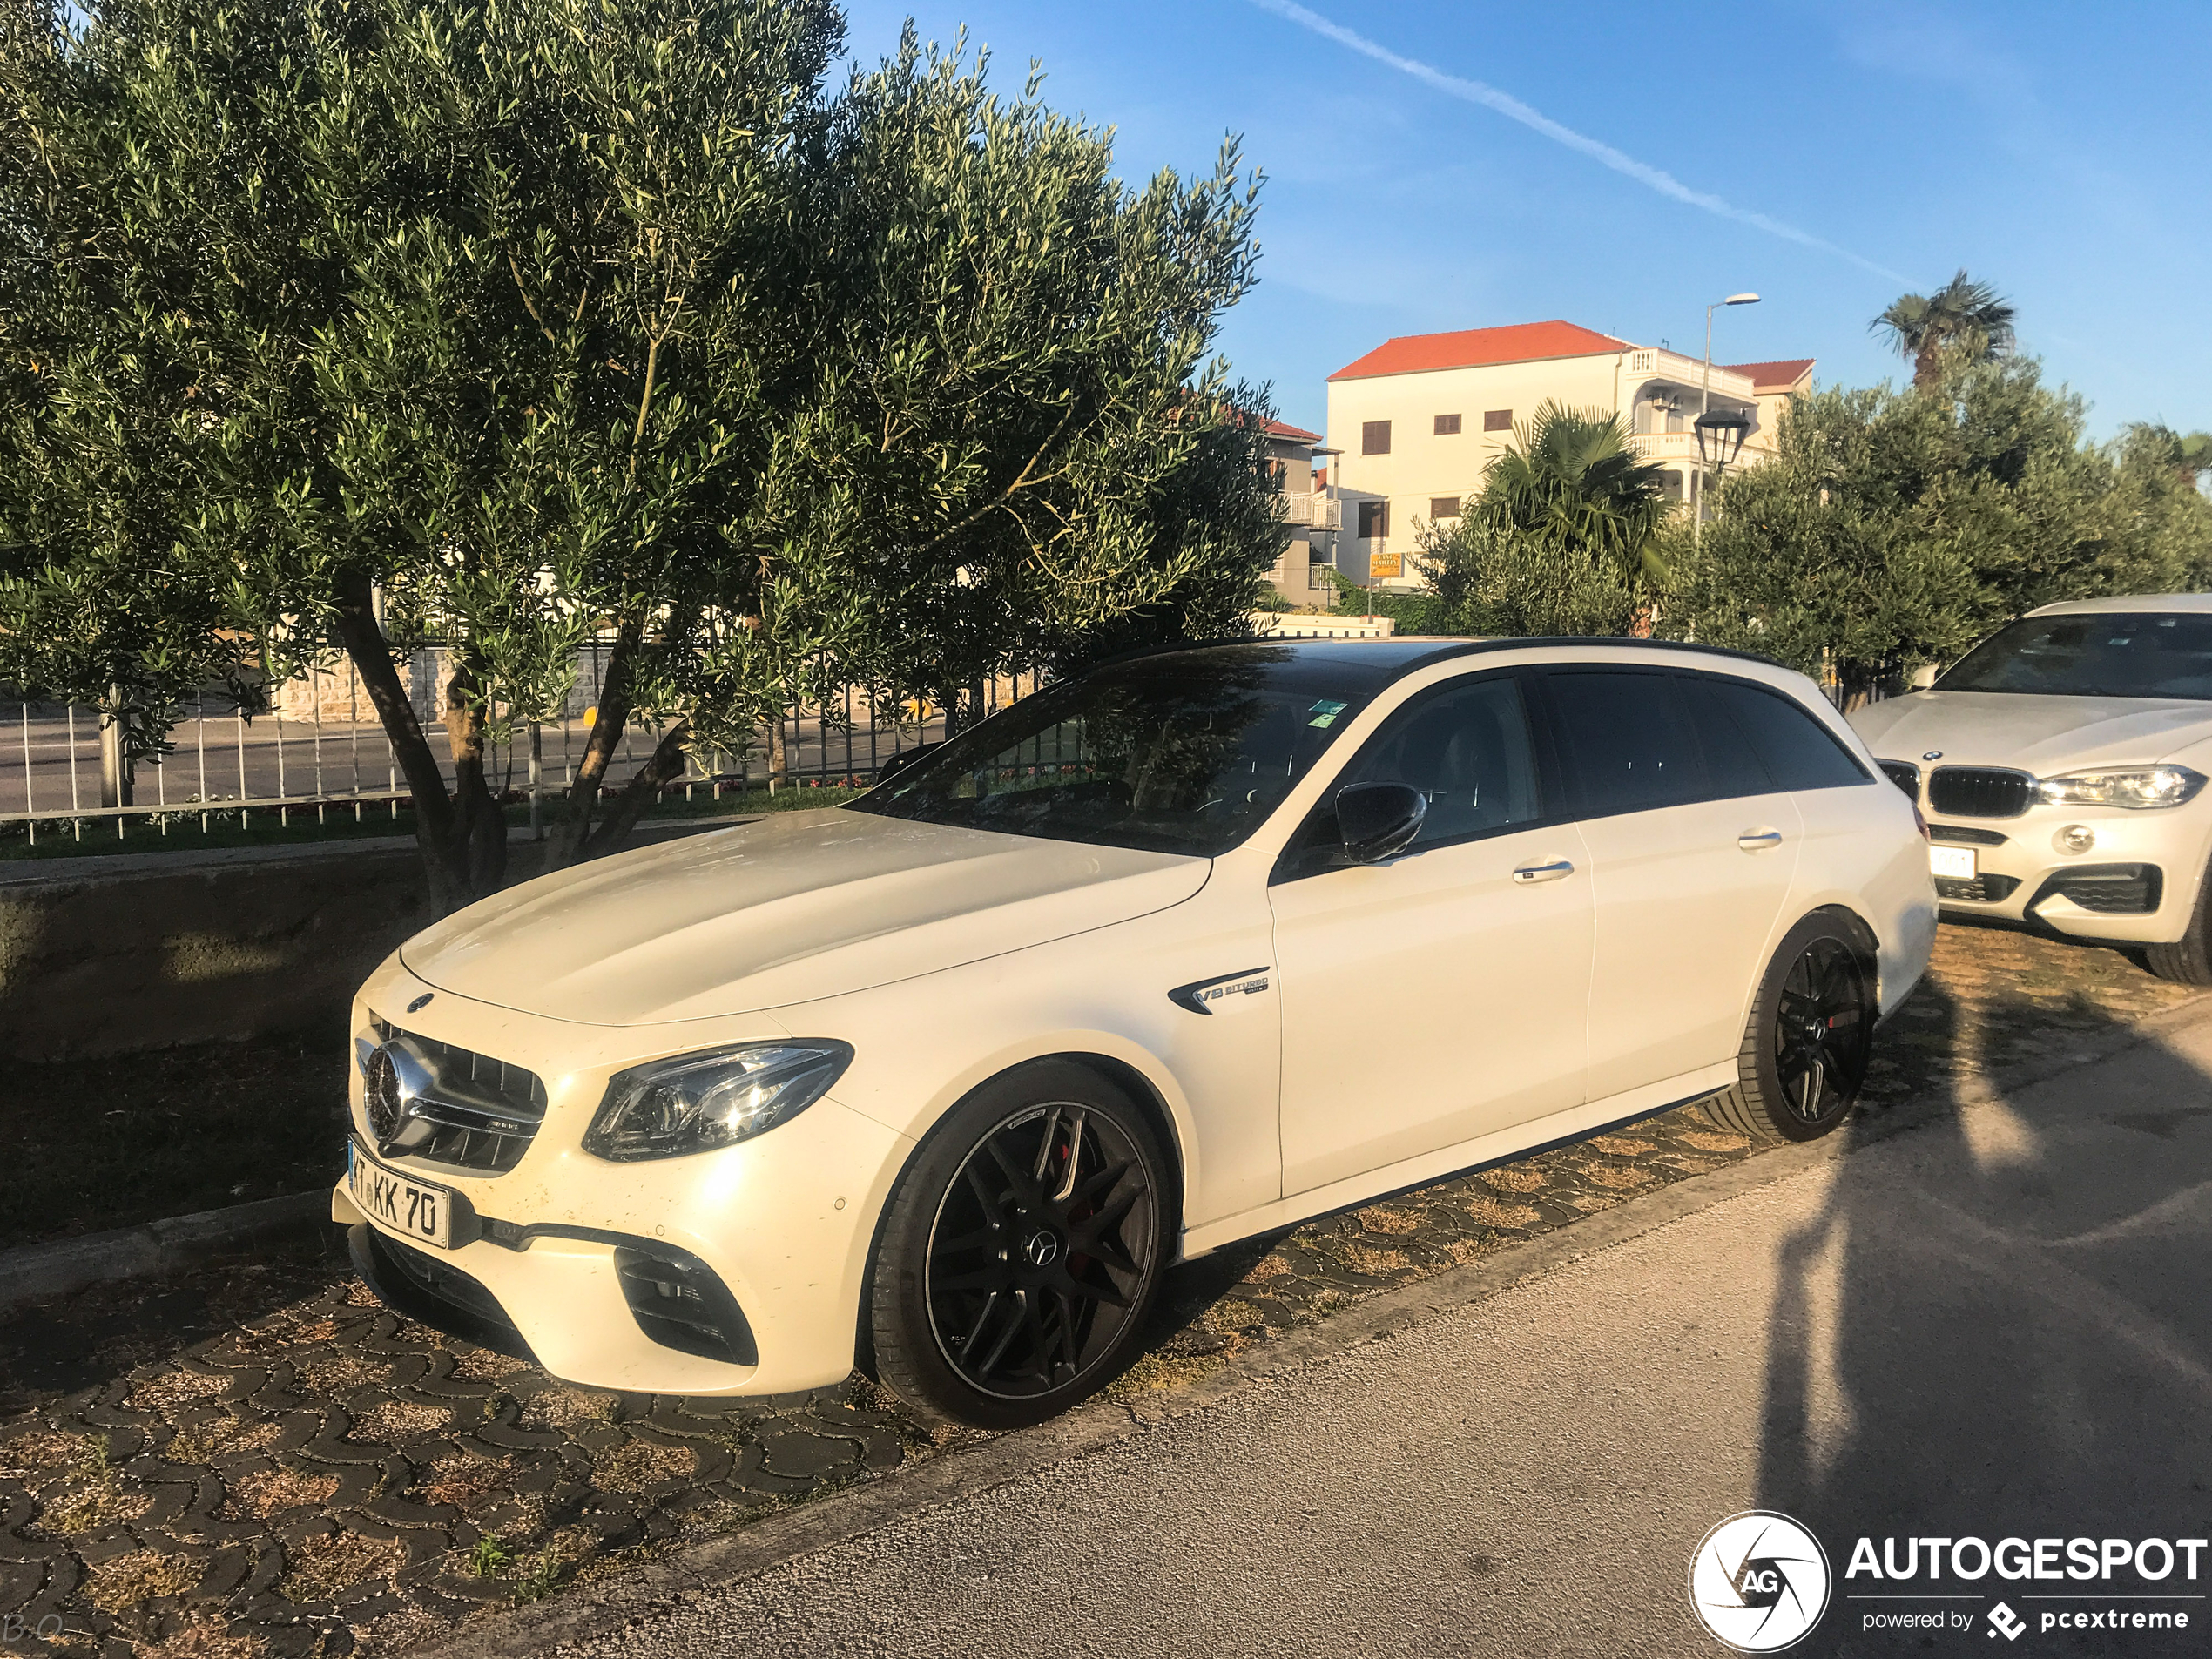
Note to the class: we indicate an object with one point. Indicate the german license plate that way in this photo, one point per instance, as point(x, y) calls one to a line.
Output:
point(1954, 861)
point(411, 1208)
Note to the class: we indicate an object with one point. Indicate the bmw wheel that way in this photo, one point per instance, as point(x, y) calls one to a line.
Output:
point(1021, 1249)
point(1808, 1040)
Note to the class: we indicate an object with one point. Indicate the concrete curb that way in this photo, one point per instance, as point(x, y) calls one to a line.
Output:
point(35, 1271)
point(602, 1606)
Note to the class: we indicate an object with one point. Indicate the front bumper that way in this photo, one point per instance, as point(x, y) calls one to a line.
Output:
point(736, 1271)
point(2137, 884)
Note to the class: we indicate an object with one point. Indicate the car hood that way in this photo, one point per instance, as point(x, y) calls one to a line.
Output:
point(781, 909)
point(2044, 735)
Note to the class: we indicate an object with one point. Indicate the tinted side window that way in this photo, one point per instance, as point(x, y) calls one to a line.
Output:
point(1798, 752)
point(1732, 765)
point(1466, 747)
point(1626, 739)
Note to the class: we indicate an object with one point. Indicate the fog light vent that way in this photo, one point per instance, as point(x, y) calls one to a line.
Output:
point(679, 1302)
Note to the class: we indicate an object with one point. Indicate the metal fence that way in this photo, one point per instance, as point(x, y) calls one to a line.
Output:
point(330, 755)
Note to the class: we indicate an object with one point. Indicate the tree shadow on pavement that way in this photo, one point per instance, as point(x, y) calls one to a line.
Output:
point(1996, 1327)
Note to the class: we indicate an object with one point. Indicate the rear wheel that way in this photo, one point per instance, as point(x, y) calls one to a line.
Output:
point(1808, 1040)
point(1021, 1249)
point(2188, 961)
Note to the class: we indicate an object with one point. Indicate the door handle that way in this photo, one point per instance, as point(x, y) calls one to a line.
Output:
point(1550, 870)
point(1759, 840)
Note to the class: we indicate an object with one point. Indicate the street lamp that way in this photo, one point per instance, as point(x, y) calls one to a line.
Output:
point(1705, 397)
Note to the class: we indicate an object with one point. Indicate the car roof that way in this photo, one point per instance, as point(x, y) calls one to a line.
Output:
point(1381, 661)
point(2136, 602)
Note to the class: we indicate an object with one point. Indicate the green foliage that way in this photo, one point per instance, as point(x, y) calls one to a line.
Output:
point(342, 325)
point(1962, 322)
point(1894, 529)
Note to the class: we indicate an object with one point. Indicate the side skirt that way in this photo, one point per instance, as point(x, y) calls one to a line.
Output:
point(1538, 1134)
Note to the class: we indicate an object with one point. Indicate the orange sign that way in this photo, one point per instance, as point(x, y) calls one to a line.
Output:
point(1386, 564)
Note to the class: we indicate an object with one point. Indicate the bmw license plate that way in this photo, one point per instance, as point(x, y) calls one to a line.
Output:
point(413, 1209)
point(1954, 861)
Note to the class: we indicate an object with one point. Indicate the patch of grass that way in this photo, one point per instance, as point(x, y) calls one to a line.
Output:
point(91, 1145)
point(487, 1557)
point(541, 1575)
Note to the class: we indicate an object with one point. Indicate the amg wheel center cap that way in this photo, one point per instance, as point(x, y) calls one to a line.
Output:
point(1041, 1248)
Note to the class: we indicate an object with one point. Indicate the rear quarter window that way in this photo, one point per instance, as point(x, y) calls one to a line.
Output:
point(1796, 749)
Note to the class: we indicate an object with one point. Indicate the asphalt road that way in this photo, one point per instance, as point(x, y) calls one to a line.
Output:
point(1990, 1326)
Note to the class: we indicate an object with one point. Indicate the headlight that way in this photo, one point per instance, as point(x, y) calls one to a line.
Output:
point(2135, 786)
point(696, 1103)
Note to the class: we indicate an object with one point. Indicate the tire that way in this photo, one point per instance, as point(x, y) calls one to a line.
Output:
point(2188, 961)
point(1021, 1251)
point(1807, 1043)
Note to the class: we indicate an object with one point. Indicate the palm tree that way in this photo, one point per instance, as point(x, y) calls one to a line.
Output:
point(1970, 315)
point(1571, 478)
point(2189, 453)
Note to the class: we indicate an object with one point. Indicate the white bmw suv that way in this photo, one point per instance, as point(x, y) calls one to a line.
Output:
point(2061, 764)
point(1188, 948)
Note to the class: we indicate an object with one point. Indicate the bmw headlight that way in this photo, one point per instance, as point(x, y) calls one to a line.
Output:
point(696, 1103)
point(2130, 787)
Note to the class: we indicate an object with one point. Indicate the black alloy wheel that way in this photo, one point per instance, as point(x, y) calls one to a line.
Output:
point(1021, 1252)
point(1809, 1038)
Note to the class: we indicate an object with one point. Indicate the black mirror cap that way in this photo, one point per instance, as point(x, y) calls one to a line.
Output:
point(900, 762)
point(1379, 820)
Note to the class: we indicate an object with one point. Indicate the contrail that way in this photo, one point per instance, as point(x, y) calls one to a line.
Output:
point(1505, 104)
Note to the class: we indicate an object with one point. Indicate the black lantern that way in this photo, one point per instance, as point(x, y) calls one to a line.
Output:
point(1720, 436)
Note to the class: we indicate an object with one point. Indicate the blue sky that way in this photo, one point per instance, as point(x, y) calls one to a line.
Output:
point(2055, 149)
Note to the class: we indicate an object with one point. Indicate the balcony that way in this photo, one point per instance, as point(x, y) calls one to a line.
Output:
point(1314, 512)
point(1690, 372)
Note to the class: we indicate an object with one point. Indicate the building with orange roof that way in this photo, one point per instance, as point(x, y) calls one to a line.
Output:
point(1419, 418)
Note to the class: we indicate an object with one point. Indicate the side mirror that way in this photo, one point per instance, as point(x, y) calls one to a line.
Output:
point(1923, 676)
point(900, 762)
point(1379, 820)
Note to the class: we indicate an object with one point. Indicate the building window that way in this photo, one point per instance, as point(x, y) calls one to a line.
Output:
point(1374, 519)
point(1447, 426)
point(1374, 438)
point(1497, 420)
point(1443, 507)
point(1671, 485)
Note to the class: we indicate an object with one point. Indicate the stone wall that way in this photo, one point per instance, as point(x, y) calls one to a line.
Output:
point(183, 947)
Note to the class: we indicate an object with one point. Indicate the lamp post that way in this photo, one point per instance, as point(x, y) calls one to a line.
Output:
point(1705, 398)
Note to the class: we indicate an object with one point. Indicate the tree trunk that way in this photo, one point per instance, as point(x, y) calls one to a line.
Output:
point(778, 754)
point(641, 792)
point(572, 834)
point(1925, 361)
point(370, 652)
point(115, 763)
point(479, 831)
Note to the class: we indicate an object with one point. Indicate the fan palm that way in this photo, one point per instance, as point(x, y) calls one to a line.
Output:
point(1963, 313)
point(1571, 478)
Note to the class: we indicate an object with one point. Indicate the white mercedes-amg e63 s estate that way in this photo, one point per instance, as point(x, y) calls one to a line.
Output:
point(1187, 949)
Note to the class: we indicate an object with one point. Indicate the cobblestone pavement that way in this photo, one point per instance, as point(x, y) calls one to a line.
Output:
point(259, 1459)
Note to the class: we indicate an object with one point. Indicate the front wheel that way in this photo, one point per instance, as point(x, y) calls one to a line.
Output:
point(2188, 961)
point(1021, 1249)
point(1807, 1043)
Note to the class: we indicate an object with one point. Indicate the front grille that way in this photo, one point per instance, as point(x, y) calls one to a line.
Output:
point(1904, 774)
point(1960, 835)
point(1982, 889)
point(1979, 792)
point(2108, 889)
point(466, 1110)
point(679, 1302)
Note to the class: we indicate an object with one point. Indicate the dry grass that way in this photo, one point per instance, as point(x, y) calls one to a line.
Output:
point(566, 1408)
point(174, 1388)
point(1155, 1373)
point(1266, 1268)
point(341, 1373)
point(206, 1639)
point(484, 1365)
point(1622, 1146)
point(462, 1480)
point(1233, 1315)
point(1380, 1218)
point(319, 1568)
point(1379, 1264)
point(28, 1456)
point(398, 1421)
point(1712, 1140)
point(1516, 1177)
point(271, 1492)
point(93, 1508)
point(143, 1576)
point(1491, 1213)
point(637, 1464)
point(1616, 1178)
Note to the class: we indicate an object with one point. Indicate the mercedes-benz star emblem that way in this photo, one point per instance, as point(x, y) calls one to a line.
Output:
point(1933, 754)
point(420, 1002)
point(380, 1092)
point(1041, 1247)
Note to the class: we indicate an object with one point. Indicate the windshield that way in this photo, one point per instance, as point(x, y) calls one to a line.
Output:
point(2093, 654)
point(1183, 753)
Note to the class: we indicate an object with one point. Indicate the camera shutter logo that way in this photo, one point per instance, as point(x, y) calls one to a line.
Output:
point(1759, 1581)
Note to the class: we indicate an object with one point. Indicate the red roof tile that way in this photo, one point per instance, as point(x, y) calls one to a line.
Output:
point(1778, 376)
point(1519, 343)
point(1284, 430)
